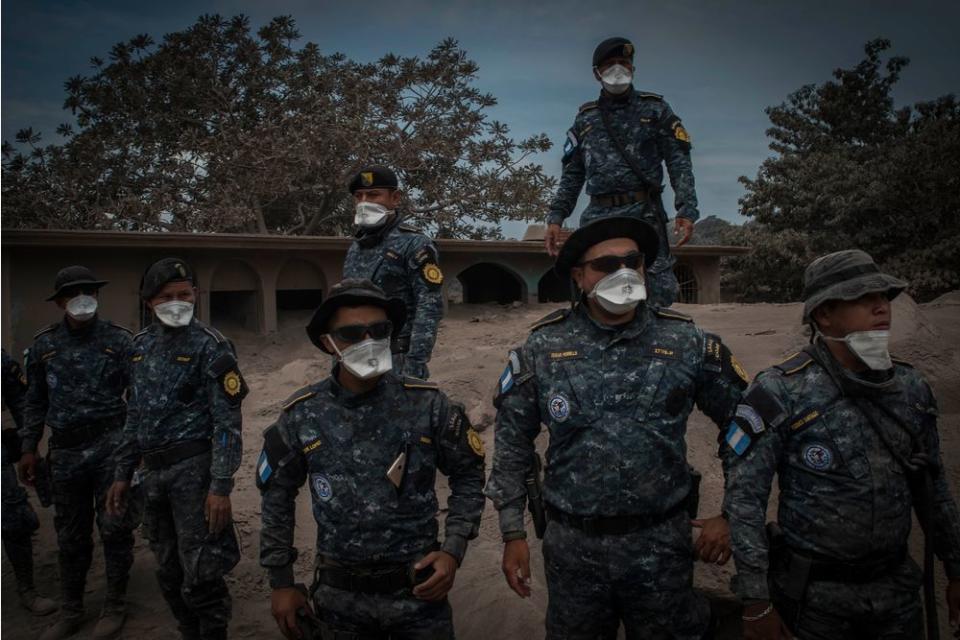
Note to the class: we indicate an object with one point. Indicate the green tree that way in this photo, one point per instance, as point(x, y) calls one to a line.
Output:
point(852, 170)
point(218, 128)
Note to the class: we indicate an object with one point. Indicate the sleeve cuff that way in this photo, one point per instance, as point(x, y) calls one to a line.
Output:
point(281, 577)
point(751, 586)
point(692, 216)
point(511, 519)
point(455, 546)
point(221, 486)
point(28, 445)
point(555, 218)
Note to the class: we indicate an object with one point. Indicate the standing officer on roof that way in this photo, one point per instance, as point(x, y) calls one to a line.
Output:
point(369, 443)
point(77, 372)
point(401, 261)
point(614, 380)
point(617, 146)
point(184, 423)
point(852, 436)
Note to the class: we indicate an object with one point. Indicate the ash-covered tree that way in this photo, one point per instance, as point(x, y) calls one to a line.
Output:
point(852, 170)
point(218, 128)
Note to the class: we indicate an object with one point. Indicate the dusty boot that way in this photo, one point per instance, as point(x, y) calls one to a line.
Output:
point(37, 604)
point(111, 621)
point(68, 624)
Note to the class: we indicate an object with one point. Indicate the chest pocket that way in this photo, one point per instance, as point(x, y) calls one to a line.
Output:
point(68, 374)
point(566, 405)
point(330, 475)
point(185, 382)
point(829, 442)
point(391, 274)
point(653, 371)
point(421, 470)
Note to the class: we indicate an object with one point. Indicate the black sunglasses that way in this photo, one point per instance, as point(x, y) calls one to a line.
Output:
point(352, 333)
point(76, 290)
point(609, 264)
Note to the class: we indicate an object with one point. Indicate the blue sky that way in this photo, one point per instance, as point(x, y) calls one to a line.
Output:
point(718, 63)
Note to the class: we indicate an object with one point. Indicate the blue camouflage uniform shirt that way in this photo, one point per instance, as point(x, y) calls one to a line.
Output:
point(185, 385)
point(342, 444)
point(651, 133)
point(76, 378)
point(843, 495)
point(616, 402)
point(405, 264)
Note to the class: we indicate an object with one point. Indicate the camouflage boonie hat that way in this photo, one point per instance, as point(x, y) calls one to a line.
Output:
point(845, 275)
point(74, 276)
point(354, 292)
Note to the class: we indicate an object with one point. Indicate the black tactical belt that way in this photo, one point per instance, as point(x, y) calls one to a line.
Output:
point(619, 199)
point(612, 525)
point(824, 569)
point(374, 579)
point(168, 456)
point(400, 345)
point(72, 437)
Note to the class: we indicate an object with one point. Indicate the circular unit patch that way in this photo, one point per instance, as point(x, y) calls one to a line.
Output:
point(559, 408)
point(473, 439)
point(231, 383)
point(818, 456)
point(432, 273)
point(322, 488)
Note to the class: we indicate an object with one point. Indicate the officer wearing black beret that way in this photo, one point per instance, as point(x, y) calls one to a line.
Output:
point(617, 148)
point(399, 259)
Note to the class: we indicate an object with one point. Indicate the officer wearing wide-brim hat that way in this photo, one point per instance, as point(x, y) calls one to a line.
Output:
point(368, 444)
point(74, 278)
point(617, 147)
point(851, 434)
point(401, 260)
point(614, 380)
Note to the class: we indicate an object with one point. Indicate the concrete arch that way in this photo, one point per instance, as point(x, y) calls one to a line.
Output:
point(300, 288)
point(236, 296)
point(552, 288)
point(491, 282)
point(689, 285)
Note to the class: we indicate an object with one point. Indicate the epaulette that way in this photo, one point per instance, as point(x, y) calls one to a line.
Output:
point(587, 106)
point(216, 335)
point(649, 94)
point(671, 314)
point(297, 398)
point(794, 363)
point(140, 333)
point(901, 362)
point(408, 228)
point(119, 326)
point(45, 330)
point(416, 383)
point(550, 318)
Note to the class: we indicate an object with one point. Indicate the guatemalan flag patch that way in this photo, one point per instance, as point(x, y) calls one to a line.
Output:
point(737, 438)
point(264, 470)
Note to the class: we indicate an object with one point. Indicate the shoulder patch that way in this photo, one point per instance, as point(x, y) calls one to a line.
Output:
point(551, 318)
point(119, 326)
point(141, 333)
point(417, 383)
point(794, 363)
point(297, 398)
point(671, 314)
point(403, 226)
point(649, 94)
point(216, 335)
point(46, 329)
point(587, 106)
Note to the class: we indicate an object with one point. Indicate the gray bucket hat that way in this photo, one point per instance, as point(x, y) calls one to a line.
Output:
point(845, 275)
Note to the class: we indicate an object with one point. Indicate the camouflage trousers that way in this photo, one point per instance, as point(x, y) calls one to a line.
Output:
point(662, 285)
point(81, 478)
point(888, 608)
point(643, 580)
point(19, 521)
point(192, 562)
point(400, 616)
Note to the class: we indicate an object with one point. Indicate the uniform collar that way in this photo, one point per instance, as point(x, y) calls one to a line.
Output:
point(84, 329)
point(613, 334)
point(610, 101)
point(373, 237)
point(349, 399)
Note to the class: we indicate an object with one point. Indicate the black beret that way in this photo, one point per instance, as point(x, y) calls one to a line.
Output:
point(354, 292)
point(604, 229)
point(74, 276)
point(164, 271)
point(374, 177)
point(612, 48)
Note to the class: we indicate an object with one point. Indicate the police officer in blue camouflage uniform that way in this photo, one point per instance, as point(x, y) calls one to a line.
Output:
point(19, 518)
point(617, 146)
point(369, 444)
point(184, 424)
point(401, 261)
point(77, 373)
point(852, 436)
point(614, 380)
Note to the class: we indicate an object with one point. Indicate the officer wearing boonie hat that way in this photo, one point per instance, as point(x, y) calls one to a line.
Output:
point(78, 370)
point(846, 429)
point(369, 444)
point(617, 148)
point(614, 380)
point(400, 260)
point(185, 424)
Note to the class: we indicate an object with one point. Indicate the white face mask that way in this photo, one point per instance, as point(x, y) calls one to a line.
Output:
point(81, 308)
point(616, 79)
point(871, 347)
point(370, 215)
point(619, 292)
point(175, 313)
point(367, 359)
